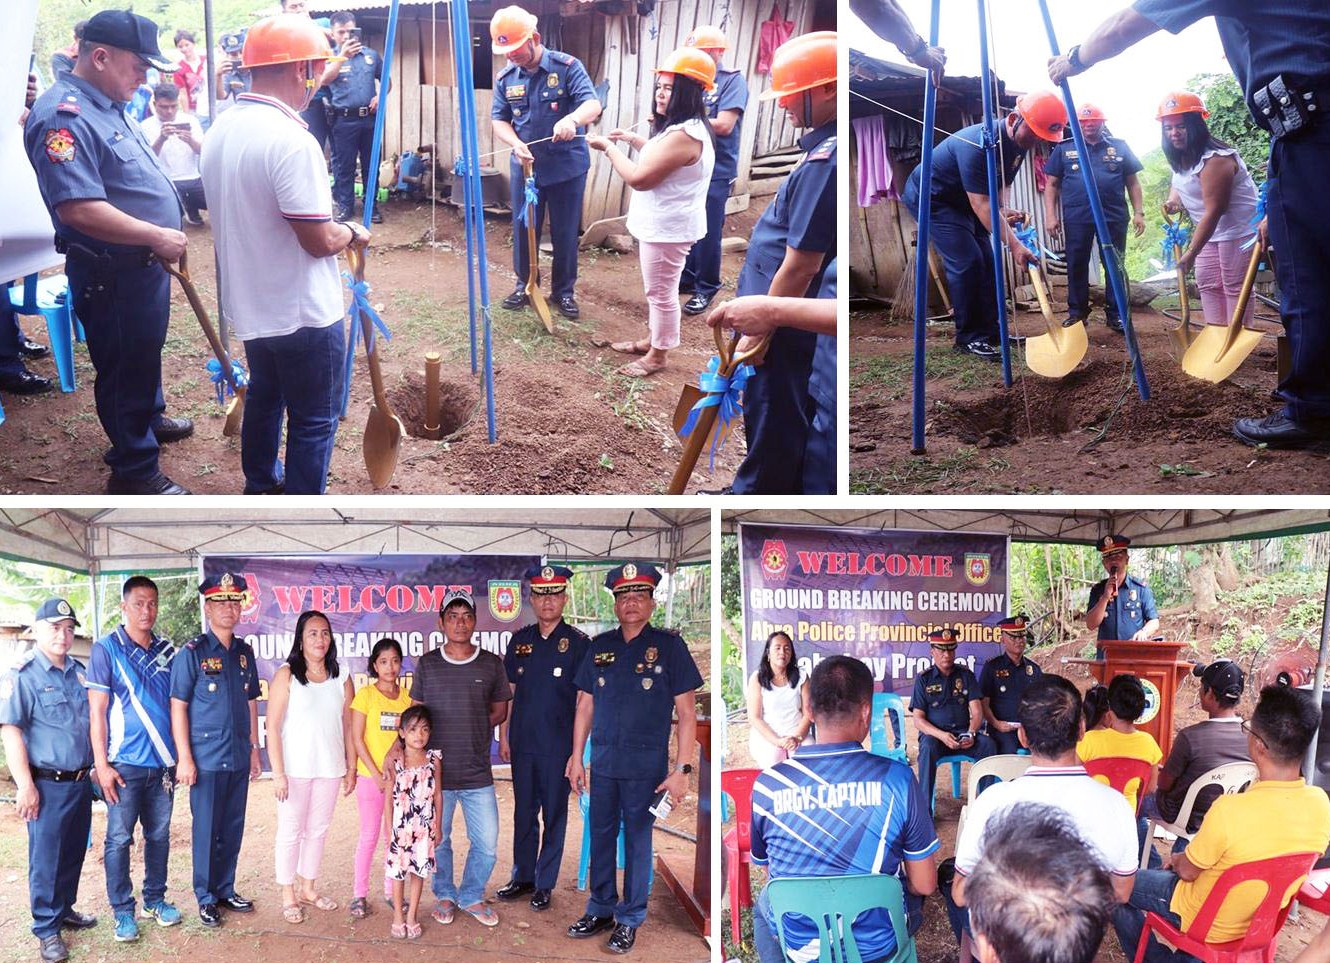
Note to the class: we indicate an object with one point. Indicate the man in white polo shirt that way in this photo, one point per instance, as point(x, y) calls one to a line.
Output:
point(1052, 723)
point(277, 247)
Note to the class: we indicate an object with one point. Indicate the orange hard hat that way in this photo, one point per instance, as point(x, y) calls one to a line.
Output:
point(1045, 112)
point(286, 38)
point(1181, 102)
point(1090, 112)
point(707, 37)
point(691, 62)
point(802, 63)
point(510, 27)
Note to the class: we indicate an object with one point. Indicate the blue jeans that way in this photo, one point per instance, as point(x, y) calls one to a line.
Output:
point(144, 800)
point(1152, 892)
point(299, 376)
point(767, 942)
point(480, 809)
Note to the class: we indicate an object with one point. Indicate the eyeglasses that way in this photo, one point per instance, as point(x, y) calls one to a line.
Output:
point(1246, 727)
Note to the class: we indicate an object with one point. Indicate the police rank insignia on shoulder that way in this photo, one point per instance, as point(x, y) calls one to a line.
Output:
point(68, 106)
point(525, 648)
point(603, 658)
point(824, 150)
point(563, 645)
point(59, 145)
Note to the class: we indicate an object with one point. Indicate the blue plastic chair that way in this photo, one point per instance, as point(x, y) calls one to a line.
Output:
point(833, 902)
point(955, 762)
point(894, 747)
point(49, 297)
point(584, 859)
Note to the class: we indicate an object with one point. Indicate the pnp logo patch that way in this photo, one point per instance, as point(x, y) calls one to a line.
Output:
point(775, 559)
point(505, 599)
point(977, 568)
point(249, 606)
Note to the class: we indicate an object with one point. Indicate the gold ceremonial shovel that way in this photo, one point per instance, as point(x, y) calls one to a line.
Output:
point(235, 408)
point(1179, 338)
point(533, 263)
point(1216, 352)
point(383, 430)
point(1056, 353)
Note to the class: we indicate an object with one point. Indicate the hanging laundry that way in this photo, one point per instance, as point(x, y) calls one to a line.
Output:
point(875, 174)
point(775, 31)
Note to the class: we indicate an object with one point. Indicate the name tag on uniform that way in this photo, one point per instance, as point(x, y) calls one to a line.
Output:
point(558, 671)
point(516, 92)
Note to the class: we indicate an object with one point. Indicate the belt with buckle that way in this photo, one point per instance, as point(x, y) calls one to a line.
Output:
point(60, 775)
point(352, 112)
point(112, 260)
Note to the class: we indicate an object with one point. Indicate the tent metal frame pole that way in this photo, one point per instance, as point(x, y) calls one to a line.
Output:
point(923, 217)
point(1318, 682)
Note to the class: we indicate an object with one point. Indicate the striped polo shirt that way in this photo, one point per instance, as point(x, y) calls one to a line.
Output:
point(139, 683)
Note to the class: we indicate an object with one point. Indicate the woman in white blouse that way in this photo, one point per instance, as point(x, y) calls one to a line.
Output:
point(778, 713)
point(667, 210)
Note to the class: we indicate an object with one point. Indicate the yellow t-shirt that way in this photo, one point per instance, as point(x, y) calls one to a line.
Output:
point(382, 716)
point(1109, 743)
point(1269, 819)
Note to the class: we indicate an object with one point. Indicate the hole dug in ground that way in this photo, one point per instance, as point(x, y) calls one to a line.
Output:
point(459, 399)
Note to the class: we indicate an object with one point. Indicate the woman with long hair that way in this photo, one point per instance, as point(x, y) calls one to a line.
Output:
point(667, 210)
point(1212, 184)
point(309, 701)
point(191, 75)
point(778, 714)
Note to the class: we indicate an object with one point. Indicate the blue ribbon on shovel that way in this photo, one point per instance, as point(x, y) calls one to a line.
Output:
point(360, 305)
point(1029, 236)
point(529, 200)
point(1259, 216)
point(221, 383)
point(721, 392)
point(1176, 236)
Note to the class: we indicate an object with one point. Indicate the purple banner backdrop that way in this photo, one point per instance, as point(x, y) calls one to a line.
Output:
point(872, 594)
point(367, 597)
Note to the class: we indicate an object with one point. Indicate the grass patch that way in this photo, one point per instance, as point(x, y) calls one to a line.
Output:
point(625, 396)
point(425, 319)
point(918, 473)
point(891, 375)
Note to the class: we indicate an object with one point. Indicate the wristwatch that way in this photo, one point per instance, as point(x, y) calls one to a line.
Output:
point(1074, 57)
point(686, 768)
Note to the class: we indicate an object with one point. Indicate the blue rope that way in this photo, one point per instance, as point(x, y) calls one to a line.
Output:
point(1175, 234)
point(722, 392)
point(221, 383)
point(529, 200)
point(1259, 216)
point(360, 305)
point(1029, 236)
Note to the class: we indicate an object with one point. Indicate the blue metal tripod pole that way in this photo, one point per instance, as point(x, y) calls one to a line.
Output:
point(924, 217)
point(460, 53)
point(995, 222)
point(1116, 282)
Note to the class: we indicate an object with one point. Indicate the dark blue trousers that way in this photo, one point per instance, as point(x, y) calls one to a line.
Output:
point(1299, 210)
point(820, 455)
point(540, 791)
point(563, 202)
point(778, 415)
point(613, 800)
point(1006, 743)
point(57, 843)
point(931, 750)
point(1080, 237)
point(124, 314)
point(352, 139)
point(967, 257)
point(217, 804)
point(701, 270)
point(11, 362)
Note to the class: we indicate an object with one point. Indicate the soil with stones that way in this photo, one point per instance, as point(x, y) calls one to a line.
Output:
point(1087, 433)
point(565, 421)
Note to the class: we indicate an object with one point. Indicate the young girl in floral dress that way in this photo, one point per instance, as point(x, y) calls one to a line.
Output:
point(412, 821)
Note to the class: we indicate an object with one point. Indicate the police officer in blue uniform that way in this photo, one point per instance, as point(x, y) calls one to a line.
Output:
point(1121, 606)
point(1115, 168)
point(948, 711)
point(543, 96)
point(1280, 52)
point(44, 725)
point(215, 722)
point(116, 213)
point(726, 103)
point(1003, 679)
point(792, 243)
point(630, 684)
point(537, 737)
point(353, 85)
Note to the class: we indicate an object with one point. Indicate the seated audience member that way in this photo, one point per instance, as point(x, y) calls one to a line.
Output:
point(1002, 681)
point(1121, 738)
point(176, 138)
point(778, 716)
point(1038, 895)
point(1279, 815)
point(948, 711)
point(862, 814)
point(1096, 708)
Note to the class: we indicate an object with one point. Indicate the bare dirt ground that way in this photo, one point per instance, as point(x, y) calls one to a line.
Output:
point(566, 422)
point(263, 936)
point(1038, 437)
point(934, 940)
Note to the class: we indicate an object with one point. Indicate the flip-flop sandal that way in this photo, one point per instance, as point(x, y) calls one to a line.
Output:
point(413, 931)
point(485, 915)
point(359, 908)
point(636, 369)
point(320, 902)
point(443, 911)
point(398, 930)
point(623, 347)
point(292, 913)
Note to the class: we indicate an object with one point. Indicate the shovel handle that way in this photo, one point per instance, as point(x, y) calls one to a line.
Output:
point(355, 258)
point(1248, 282)
point(181, 274)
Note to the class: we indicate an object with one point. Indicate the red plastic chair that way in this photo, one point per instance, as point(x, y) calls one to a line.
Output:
point(738, 783)
point(1310, 897)
point(1282, 876)
point(1120, 771)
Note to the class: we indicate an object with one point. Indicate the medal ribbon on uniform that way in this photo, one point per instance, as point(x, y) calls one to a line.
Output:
point(529, 200)
point(224, 386)
point(722, 392)
point(1174, 234)
point(360, 304)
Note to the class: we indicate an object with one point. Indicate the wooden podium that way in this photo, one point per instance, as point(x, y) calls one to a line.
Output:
point(1156, 664)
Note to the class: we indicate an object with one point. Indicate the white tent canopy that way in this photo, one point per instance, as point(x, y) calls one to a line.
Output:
point(111, 540)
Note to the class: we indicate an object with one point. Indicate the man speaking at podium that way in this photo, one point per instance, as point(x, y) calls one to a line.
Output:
point(1121, 606)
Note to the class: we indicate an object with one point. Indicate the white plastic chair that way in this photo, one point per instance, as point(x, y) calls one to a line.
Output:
point(1003, 768)
point(1231, 777)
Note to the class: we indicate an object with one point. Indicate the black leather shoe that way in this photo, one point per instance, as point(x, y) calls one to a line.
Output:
point(540, 899)
point(980, 349)
point(1280, 431)
point(1115, 324)
point(237, 903)
point(210, 915)
point(516, 300)
point(25, 383)
point(74, 920)
point(1070, 322)
point(157, 484)
point(622, 939)
point(590, 925)
point(568, 307)
point(31, 349)
point(342, 214)
point(376, 216)
point(515, 889)
point(697, 304)
point(168, 430)
point(54, 949)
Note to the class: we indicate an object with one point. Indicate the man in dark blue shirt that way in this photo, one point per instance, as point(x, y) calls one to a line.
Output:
point(353, 85)
point(1121, 606)
point(948, 711)
point(1114, 168)
point(1280, 52)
